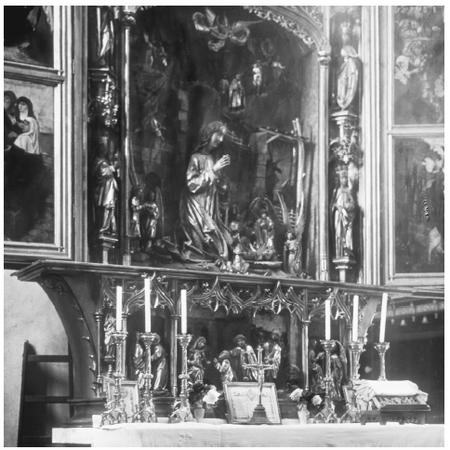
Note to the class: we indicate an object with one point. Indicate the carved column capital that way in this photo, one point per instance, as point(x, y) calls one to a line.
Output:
point(324, 55)
point(128, 16)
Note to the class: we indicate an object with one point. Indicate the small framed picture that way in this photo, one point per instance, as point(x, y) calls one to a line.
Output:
point(242, 397)
point(129, 391)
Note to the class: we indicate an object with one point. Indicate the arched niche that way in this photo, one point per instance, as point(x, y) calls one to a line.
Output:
point(255, 69)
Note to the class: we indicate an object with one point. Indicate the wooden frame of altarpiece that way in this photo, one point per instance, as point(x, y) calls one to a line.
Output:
point(79, 292)
point(405, 142)
point(54, 89)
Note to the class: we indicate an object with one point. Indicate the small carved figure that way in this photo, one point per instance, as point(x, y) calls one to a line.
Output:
point(265, 234)
point(223, 365)
point(236, 96)
point(290, 253)
point(109, 326)
point(347, 80)
point(315, 359)
point(139, 361)
point(106, 188)
point(159, 365)
point(338, 364)
point(343, 212)
point(144, 218)
point(241, 354)
point(257, 79)
point(274, 357)
point(197, 360)
point(224, 89)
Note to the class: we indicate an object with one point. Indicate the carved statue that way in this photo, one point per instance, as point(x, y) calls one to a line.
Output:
point(265, 234)
point(223, 365)
point(291, 247)
point(315, 358)
point(243, 353)
point(220, 30)
point(257, 78)
point(338, 363)
point(272, 355)
point(347, 80)
point(197, 360)
point(159, 365)
point(144, 218)
point(106, 190)
point(109, 326)
point(343, 208)
point(206, 235)
point(139, 361)
point(236, 96)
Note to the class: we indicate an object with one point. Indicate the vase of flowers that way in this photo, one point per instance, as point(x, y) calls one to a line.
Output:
point(308, 404)
point(201, 397)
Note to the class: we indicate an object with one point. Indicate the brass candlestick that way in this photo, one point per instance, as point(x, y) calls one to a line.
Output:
point(356, 349)
point(382, 348)
point(181, 409)
point(352, 412)
point(327, 414)
point(147, 411)
point(115, 410)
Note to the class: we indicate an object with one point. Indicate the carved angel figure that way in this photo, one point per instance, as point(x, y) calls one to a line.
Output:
point(219, 30)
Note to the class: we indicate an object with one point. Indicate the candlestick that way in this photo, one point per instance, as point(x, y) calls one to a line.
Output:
point(327, 414)
point(352, 413)
point(119, 308)
point(355, 318)
point(147, 411)
point(327, 319)
point(182, 411)
point(383, 315)
point(147, 304)
point(382, 348)
point(183, 311)
point(115, 411)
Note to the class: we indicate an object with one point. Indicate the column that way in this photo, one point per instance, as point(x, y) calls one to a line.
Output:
point(324, 60)
point(372, 121)
point(128, 20)
point(173, 339)
point(305, 360)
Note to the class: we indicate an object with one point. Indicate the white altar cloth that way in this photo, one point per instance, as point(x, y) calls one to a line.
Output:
point(290, 434)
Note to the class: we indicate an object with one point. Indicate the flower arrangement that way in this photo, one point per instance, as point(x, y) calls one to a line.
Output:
point(197, 392)
point(308, 403)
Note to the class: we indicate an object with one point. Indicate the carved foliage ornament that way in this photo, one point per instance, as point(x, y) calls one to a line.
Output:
point(285, 23)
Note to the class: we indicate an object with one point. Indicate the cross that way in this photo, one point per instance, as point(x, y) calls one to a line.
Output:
point(260, 368)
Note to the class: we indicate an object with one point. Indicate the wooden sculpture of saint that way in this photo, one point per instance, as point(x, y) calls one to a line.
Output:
point(206, 236)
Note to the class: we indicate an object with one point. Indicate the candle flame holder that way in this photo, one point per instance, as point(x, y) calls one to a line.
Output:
point(147, 412)
point(181, 411)
point(382, 348)
point(327, 414)
point(115, 409)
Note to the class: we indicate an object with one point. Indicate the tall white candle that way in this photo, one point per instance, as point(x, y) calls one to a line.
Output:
point(383, 316)
point(355, 318)
point(147, 305)
point(183, 312)
point(119, 308)
point(327, 319)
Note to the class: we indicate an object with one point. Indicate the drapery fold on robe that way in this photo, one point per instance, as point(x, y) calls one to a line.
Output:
point(199, 210)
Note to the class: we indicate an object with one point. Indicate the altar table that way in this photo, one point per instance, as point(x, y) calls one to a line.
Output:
point(289, 434)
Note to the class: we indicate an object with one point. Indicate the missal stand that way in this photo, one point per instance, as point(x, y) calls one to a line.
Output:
point(259, 413)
